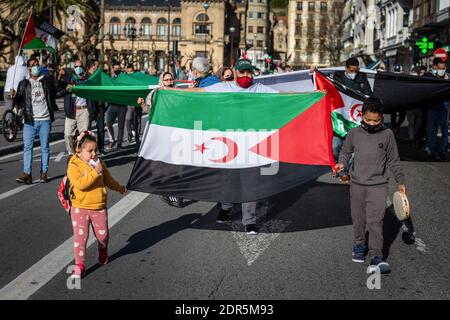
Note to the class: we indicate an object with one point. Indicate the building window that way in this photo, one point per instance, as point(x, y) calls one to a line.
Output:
point(297, 44)
point(260, 30)
point(261, 15)
point(299, 17)
point(130, 23)
point(161, 28)
point(201, 25)
point(146, 25)
point(176, 27)
point(311, 6)
point(250, 15)
point(259, 43)
point(114, 26)
point(323, 6)
point(250, 29)
point(201, 54)
point(299, 6)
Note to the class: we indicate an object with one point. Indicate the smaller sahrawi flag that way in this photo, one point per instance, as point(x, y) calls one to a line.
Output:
point(233, 147)
point(40, 35)
point(346, 103)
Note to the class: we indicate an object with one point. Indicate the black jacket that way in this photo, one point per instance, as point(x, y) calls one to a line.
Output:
point(69, 99)
point(23, 98)
point(360, 83)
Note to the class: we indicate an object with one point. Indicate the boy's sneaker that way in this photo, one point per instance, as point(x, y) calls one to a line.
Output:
point(377, 263)
point(103, 255)
point(251, 229)
point(442, 156)
point(78, 272)
point(222, 217)
point(359, 253)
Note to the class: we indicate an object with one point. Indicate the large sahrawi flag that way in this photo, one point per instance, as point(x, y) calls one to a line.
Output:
point(233, 147)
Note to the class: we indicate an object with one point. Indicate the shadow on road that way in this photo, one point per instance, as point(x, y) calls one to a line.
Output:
point(146, 238)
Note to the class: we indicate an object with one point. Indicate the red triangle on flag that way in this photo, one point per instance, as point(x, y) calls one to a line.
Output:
point(307, 139)
point(333, 96)
point(30, 32)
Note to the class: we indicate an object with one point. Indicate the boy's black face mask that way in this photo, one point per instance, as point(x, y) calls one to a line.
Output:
point(371, 128)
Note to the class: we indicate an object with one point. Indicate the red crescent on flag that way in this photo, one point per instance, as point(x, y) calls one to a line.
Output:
point(356, 112)
point(232, 150)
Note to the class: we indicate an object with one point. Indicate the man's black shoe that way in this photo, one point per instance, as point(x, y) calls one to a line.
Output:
point(222, 217)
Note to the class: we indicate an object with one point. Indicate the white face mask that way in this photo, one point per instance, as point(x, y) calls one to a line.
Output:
point(441, 73)
point(351, 76)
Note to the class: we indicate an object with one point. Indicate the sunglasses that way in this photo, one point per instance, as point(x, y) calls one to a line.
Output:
point(168, 79)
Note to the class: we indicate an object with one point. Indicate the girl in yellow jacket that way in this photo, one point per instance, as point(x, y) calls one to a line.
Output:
point(89, 178)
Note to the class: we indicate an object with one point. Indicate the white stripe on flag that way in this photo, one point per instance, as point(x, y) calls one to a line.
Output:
point(204, 148)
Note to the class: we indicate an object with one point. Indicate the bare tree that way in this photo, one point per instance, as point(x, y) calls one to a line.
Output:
point(331, 35)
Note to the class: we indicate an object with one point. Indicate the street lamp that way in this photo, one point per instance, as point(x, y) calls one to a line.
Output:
point(232, 29)
point(206, 6)
point(168, 37)
point(130, 32)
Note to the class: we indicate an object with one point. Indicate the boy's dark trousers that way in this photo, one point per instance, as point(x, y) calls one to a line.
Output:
point(368, 206)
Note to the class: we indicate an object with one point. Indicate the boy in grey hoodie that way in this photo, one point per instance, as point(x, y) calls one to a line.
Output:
point(375, 151)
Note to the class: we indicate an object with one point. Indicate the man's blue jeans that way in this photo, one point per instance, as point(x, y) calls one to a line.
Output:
point(41, 128)
point(437, 119)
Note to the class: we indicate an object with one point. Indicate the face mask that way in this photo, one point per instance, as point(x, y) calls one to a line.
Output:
point(434, 72)
point(244, 82)
point(117, 72)
point(230, 78)
point(351, 76)
point(80, 72)
point(35, 71)
point(371, 128)
point(441, 73)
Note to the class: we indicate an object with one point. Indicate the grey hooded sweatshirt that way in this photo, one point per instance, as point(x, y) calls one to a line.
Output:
point(375, 153)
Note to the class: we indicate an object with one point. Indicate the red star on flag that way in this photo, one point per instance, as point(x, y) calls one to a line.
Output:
point(200, 147)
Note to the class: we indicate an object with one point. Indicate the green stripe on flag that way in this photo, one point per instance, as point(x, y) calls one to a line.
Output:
point(341, 125)
point(36, 43)
point(229, 111)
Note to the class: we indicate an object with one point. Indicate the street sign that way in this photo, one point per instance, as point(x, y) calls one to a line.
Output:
point(424, 45)
point(441, 53)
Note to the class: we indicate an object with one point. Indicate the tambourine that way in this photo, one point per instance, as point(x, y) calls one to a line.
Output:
point(401, 206)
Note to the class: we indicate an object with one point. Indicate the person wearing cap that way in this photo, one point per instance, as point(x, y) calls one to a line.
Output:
point(243, 82)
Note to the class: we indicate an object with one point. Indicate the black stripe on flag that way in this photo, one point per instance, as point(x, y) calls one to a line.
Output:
point(219, 185)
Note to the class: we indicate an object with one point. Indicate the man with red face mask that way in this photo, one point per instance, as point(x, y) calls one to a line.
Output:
point(243, 83)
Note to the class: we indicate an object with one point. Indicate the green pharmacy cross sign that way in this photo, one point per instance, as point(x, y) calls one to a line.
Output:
point(425, 45)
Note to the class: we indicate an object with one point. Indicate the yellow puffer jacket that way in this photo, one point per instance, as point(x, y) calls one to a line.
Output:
point(88, 188)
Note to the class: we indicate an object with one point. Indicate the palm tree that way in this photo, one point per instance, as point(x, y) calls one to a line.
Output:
point(14, 14)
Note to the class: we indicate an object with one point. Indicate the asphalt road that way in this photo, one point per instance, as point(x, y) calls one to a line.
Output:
point(303, 250)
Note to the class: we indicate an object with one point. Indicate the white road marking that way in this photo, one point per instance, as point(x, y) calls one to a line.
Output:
point(252, 246)
point(49, 266)
point(60, 156)
point(18, 189)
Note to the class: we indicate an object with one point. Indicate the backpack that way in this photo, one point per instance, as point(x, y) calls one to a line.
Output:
point(64, 192)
